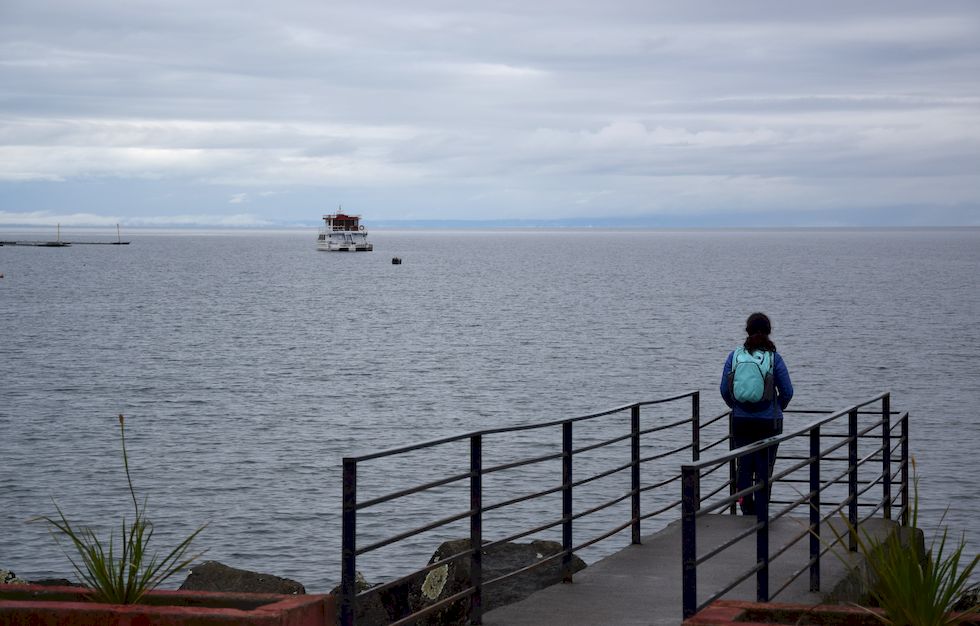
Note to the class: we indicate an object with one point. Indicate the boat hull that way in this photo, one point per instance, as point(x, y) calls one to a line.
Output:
point(334, 247)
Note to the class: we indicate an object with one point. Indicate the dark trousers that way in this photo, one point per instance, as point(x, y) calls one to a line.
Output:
point(750, 468)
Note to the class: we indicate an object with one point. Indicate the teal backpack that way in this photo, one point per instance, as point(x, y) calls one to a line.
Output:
point(751, 378)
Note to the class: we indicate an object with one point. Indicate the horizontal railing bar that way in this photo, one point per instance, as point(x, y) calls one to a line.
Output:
point(519, 499)
point(522, 463)
point(602, 444)
point(661, 510)
point(522, 534)
point(717, 443)
point(604, 505)
point(791, 469)
point(867, 457)
point(526, 568)
point(647, 431)
point(605, 535)
point(876, 508)
point(789, 544)
point(738, 581)
point(705, 510)
point(660, 484)
point(791, 505)
point(409, 491)
point(728, 544)
point(765, 443)
point(602, 474)
point(838, 482)
point(510, 429)
point(723, 486)
point(714, 469)
point(792, 578)
point(407, 577)
point(714, 419)
point(414, 617)
point(864, 433)
point(410, 533)
point(664, 455)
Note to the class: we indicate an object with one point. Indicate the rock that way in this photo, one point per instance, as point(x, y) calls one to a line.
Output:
point(213, 576)
point(969, 599)
point(453, 578)
point(378, 608)
point(9, 578)
point(55, 582)
point(422, 590)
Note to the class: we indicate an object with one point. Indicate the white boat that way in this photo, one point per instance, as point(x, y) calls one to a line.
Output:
point(343, 233)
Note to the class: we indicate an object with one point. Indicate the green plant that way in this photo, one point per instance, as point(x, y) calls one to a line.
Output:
point(915, 589)
point(121, 576)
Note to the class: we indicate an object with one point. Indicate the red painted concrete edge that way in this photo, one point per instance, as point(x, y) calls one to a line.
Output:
point(725, 612)
point(278, 610)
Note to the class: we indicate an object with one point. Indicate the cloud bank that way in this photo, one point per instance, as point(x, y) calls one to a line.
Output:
point(143, 111)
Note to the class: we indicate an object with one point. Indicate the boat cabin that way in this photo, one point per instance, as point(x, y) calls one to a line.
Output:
point(341, 221)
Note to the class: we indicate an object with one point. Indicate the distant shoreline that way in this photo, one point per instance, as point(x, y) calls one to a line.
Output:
point(501, 226)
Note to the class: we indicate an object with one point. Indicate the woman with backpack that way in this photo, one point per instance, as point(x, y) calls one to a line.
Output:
point(755, 384)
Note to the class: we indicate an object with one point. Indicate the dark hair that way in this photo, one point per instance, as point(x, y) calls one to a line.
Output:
point(758, 327)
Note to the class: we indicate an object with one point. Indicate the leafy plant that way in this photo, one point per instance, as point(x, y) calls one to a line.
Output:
point(123, 573)
point(915, 589)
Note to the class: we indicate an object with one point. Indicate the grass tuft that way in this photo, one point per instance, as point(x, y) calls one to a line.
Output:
point(121, 573)
point(912, 588)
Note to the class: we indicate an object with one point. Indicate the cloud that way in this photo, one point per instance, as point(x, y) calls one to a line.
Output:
point(46, 218)
point(438, 109)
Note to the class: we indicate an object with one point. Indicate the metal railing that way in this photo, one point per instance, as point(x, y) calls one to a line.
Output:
point(880, 434)
point(474, 471)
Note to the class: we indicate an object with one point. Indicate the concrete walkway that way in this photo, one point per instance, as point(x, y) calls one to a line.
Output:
point(641, 584)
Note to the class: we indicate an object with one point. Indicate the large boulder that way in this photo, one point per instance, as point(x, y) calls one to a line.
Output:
point(450, 579)
point(213, 576)
point(424, 590)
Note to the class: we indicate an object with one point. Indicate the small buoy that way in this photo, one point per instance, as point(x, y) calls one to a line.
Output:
point(396, 261)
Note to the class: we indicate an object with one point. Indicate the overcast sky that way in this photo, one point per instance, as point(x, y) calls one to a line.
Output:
point(233, 112)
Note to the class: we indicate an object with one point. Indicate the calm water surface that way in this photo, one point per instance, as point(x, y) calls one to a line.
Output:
point(249, 364)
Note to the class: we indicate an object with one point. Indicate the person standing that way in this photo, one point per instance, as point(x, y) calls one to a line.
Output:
point(755, 384)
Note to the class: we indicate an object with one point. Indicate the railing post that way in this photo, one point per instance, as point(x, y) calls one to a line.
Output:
point(905, 469)
point(635, 474)
point(566, 501)
point(690, 477)
point(852, 479)
point(348, 554)
point(886, 454)
point(476, 529)
point(696, 437)
point(762, 519)
point(815, 508)
point(732, 466)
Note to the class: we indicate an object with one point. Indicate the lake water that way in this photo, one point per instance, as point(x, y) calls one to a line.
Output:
point(248, 364)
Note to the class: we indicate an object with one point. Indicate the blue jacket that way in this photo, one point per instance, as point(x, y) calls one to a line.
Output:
point(763, 409)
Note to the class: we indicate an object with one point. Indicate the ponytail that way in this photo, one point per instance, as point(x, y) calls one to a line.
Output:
point(758, 327)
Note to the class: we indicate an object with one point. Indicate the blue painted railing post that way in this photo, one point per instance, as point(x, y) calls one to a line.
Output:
point(815, 508)
point(348, 553)
point(689, 554)
point(696, 437)
point(762, 520)
point(566, 501)
point(635, 472)
point(905, 469)
point(476, 529)
point(886, 455)
point(852, 479)
point(732, 466)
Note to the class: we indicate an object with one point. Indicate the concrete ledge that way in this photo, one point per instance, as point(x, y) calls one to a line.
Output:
point(55, 606)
